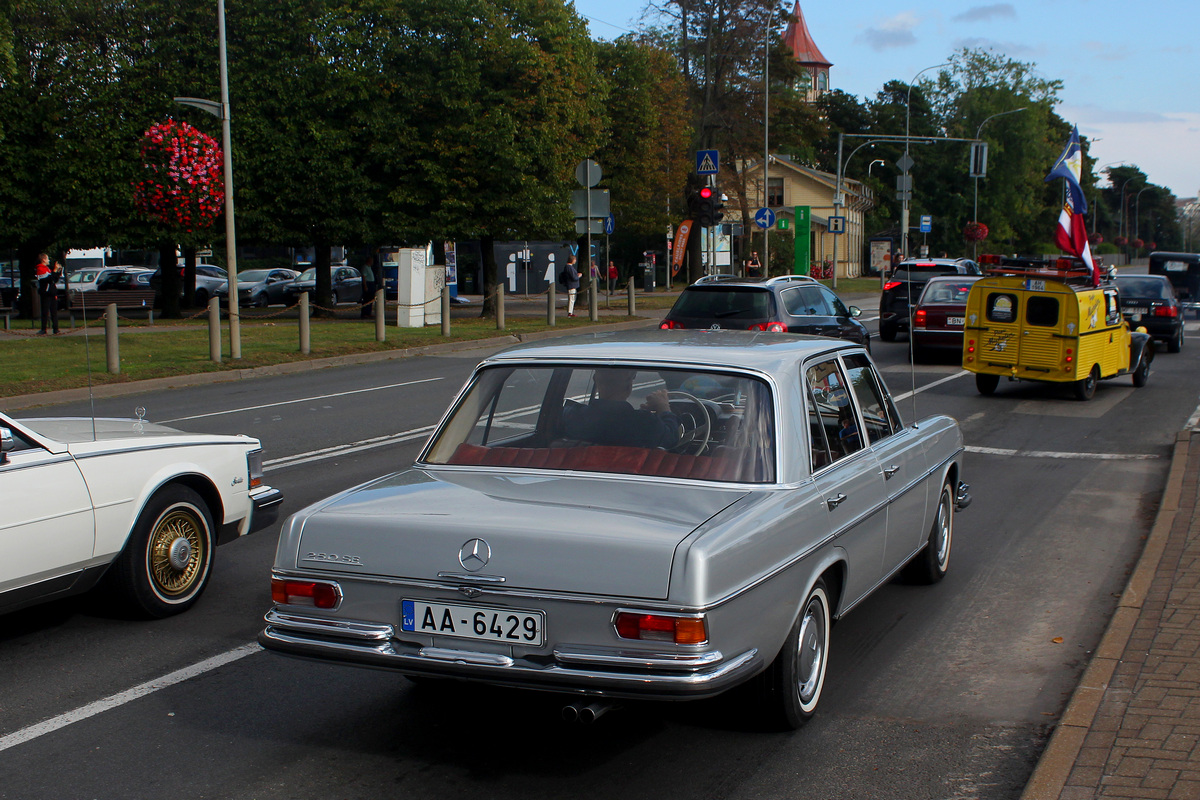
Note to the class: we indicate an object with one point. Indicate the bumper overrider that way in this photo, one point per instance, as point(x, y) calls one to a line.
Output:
point(267, 500)
point(609, 672)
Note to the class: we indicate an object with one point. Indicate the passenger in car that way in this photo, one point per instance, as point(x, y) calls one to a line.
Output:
point(609, 418)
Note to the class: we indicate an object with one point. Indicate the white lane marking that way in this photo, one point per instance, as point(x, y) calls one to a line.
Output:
point(1004, 451)
point(121, 698)
point(897, 398)
point(302, 400)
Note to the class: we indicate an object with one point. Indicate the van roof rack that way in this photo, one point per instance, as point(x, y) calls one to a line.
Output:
point(1067, 269)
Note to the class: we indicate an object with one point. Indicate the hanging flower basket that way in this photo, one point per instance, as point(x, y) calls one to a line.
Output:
point(975, 232)
point(1097, 238)
point(184, 187)
point(1121, 241)
point(1151, 245)
point(1138, 243)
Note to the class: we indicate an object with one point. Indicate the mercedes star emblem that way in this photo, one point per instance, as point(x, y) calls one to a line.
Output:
point(474, 555)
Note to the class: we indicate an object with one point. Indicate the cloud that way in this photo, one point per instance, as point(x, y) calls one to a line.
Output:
point(984, 13)
point(1010, 49)
point(891, 33)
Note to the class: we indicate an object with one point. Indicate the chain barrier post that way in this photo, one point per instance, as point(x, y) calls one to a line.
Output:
point(629, 288)
point(214, 329)
point(550, 302)
point(112, 348)
point(446, 310)
point(499, 306)
point(594, 300)
point(305, 332)
point(379, 307)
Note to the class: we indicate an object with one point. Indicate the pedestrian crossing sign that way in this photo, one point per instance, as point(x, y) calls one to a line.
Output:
point(707, 162)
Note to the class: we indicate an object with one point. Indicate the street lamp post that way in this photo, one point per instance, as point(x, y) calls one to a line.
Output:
point(906, 164)
point(1137, 209)
point(873, 163)
point(978, 132)
point(766, 262)
point(1096, 195)
point(222, 110)
point(1122, 228)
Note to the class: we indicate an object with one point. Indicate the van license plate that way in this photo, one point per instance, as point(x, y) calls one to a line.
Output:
point(507, 625)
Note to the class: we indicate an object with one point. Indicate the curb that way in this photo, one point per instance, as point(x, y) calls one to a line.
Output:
point(228, 376)
point(1054, 768)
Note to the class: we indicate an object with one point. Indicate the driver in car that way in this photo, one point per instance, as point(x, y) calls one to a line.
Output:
point(611, 419)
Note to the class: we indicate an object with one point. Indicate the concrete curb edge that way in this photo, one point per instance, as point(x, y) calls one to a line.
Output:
point(1058, 759)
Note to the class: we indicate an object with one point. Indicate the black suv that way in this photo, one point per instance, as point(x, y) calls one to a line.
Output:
point(786, 304)
point(904, 287)
point(1149, 301)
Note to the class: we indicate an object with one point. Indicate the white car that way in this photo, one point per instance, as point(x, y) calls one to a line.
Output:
point(135, 505)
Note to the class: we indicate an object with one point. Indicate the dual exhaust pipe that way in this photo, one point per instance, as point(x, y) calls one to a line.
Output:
point(585, 713)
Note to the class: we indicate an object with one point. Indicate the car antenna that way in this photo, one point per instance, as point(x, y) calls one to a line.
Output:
point(87, 353)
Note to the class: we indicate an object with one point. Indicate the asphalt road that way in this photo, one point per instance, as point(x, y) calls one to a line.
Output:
point(935, 692)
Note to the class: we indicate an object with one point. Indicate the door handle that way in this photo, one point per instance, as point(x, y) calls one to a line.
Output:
point(834, 502)
point(888, 472)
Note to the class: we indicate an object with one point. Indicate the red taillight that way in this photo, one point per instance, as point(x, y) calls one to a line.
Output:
point(970, 345)
point(1069, 356)
point(771, 327)
point(669, 324)
point(920, 317)
point(660, 628)
point(293, 592)
point(1166, 311)
point(890, 285)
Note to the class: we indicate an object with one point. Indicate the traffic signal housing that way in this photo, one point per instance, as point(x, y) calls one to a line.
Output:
point(706, 211)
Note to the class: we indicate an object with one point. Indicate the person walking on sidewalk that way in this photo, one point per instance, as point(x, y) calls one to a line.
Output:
point(570, 279)
point(47, 288)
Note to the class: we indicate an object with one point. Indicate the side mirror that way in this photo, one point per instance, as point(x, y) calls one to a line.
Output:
point(6, 444)
point(855, 311)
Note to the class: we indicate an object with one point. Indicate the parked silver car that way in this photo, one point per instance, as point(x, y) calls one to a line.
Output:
point(662, 514)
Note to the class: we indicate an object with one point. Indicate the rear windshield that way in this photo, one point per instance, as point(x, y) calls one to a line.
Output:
point(950, 292)
point(1149, 288)
point(740, 303)
point(923, 272)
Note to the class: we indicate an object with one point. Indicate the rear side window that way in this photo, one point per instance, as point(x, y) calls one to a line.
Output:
point(806, 301)
point(725, 303)
point(1001, 307)
point(1042, 311)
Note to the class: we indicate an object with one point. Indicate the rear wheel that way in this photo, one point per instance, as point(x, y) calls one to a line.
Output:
point(1086, 388)
point(887, 331)
point(1176, 344)
point(986, 384)
point(797, 675)
point(1142, 374)
point(201, 297)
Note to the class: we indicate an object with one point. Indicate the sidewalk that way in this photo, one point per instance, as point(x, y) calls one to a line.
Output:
point(1132, 728)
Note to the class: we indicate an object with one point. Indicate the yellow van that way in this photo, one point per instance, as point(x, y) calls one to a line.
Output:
point(1044, 320)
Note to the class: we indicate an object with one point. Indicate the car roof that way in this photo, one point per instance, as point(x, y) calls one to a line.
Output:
point(1143, 277)
point(709, 282)
point(765, 352)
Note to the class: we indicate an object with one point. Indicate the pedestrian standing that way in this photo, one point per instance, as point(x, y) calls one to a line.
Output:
point(754, 266)
point(369, 288)
point(613, 276)
point(47, 288)
point(570, 279)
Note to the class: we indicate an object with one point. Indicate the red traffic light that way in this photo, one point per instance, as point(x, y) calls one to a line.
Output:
point(706, 192)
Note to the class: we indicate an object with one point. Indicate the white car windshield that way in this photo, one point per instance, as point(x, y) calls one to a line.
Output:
point(667, 422)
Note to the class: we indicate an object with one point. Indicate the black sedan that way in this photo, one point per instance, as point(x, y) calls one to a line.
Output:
point(1149, 301)
point(785, 304)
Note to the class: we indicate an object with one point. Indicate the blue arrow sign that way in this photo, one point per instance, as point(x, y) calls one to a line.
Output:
point(707, 162)
point(764, 218)
point(610, 224)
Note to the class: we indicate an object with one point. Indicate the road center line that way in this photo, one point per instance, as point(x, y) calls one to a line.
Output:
point(121, 698)
point(897, 398)
point(1003, 451)
point(301, 400)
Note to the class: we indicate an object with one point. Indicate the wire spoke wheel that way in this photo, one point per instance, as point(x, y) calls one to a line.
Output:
point(177, 552)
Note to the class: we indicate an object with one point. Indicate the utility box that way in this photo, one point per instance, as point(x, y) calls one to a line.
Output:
point(412, 286)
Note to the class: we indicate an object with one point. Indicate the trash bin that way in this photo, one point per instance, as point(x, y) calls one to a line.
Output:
point(647, 277)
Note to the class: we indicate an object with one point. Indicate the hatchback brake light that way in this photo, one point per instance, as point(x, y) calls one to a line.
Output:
point(772, 327)
point(890, 285)
point(669, 324)
point(320, 594)
point(661, 628)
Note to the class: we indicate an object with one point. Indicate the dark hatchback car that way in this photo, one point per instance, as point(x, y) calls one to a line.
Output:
point(901, 291)
point(1149, 301)
point(786, 304)
point(346, 285)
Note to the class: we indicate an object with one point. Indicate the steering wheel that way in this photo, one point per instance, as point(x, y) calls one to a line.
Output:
point(693, 415)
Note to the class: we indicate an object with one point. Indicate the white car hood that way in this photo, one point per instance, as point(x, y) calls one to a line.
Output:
point(603, 536)
point(84, 429)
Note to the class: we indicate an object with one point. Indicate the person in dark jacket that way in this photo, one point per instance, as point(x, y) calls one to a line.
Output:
point(47, 287)
point(611, 419)
point(571, 281)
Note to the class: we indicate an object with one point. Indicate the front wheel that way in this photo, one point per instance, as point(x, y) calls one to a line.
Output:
point(168, 559)
point(333, 299)
point(1086, 388)
point(795, 679)
point(201, 297)
point(929, 565)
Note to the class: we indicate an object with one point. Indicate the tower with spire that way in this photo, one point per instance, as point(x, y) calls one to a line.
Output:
point(807, 54)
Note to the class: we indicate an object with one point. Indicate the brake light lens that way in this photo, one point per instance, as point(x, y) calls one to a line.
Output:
point(319, 594)
point(890, 285)
point(920, 318)
point(661, 628)
point(771, 327)
point(1166, 311)
point(1069, 355)
point(255, 468)
point(669, 324)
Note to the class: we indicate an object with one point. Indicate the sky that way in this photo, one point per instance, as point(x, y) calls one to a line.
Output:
point(1130, 71)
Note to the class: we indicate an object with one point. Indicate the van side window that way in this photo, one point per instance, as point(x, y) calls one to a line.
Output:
point(1042, 311)
point(1001, 307)
point(1112, 309)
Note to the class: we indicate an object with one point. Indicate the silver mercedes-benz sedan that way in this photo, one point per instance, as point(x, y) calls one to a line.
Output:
point(660, 515)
